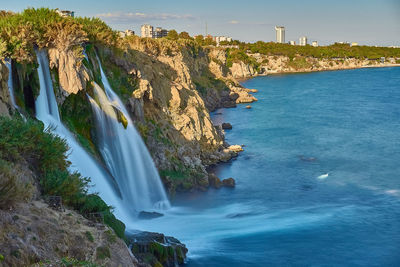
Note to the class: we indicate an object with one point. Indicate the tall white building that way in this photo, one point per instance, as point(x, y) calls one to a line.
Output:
point(280, 34)
point(147, 31)
point(303, 41)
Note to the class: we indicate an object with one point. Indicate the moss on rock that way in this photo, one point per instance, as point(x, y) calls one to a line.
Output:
point(26, 85)
point(77, 115)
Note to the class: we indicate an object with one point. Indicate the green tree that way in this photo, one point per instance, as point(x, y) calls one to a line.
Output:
point(184, 35)
point(199, 39)
point(173, 35)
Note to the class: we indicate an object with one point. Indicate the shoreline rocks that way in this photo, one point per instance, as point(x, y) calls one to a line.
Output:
point(156, 249)
point(226, 126)
point(235, 148)
point(229, 182)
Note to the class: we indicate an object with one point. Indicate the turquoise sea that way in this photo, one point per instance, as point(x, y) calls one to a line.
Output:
point(318, 183)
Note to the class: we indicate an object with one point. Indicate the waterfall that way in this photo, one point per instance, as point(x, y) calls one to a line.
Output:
point(81, 161)
point(10, 84)
point(124, 152)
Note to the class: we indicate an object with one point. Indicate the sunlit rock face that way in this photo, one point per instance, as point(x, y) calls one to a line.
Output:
point(72, 74)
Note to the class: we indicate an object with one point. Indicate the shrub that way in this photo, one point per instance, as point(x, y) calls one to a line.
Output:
point(12, 187)
point(71, 187)
point(93, 203)
point(46, 154)
point(102, 253)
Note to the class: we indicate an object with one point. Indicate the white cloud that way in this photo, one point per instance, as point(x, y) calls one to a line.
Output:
point(233, 22)
point(128, 17)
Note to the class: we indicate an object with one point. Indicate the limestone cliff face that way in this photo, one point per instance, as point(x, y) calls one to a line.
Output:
point(167, 99)
point(4, 94)
point(173, 87)
point(72, 74)
point(242, 70)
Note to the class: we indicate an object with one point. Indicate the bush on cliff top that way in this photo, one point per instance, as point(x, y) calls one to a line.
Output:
point(44, 27)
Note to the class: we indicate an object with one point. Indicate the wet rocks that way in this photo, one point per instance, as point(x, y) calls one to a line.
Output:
point(226, 126)
point(248, 107)
point(217, 183)
point(214, 181)
point(230, 182)
point(157, 249)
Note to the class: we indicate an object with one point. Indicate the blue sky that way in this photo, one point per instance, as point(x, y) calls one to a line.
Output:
point(372, 22)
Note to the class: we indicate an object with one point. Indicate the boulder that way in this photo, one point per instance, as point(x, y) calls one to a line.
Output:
point(235, 148)
point(157, 249)
point(226, 126)
point(248, 107)
point(230, 182)
point(214, 181)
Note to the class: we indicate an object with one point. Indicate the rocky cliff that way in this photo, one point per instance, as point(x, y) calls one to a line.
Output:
point(5, 105)
point(175, 85)
point(168, 86)
point(268, 64)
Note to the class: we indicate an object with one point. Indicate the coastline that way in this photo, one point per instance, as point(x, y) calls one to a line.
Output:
point(244, 79)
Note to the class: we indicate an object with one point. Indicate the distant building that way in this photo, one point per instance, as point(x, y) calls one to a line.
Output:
point(126, 33)
point(292, 42)
point(146, 31)
point(314, 43)
point(65, 13)
point(160, 33)
point(280, 34)
point(219, 39)
point(303, 41)
point(354, 44)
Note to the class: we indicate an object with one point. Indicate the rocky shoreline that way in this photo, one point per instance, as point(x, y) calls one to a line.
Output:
point(270, 65)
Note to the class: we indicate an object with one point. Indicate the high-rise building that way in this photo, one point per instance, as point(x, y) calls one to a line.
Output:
point(160, 33)
point(303, 41)
point(280, 34)
point(147, 31)
point(292, 42)
point(315, 43)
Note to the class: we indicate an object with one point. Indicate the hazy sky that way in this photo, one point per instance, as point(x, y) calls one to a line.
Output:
point(373, 22)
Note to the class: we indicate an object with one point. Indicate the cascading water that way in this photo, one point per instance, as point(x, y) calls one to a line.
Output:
point(10, 84)
point(124, 152)
point(81, 161)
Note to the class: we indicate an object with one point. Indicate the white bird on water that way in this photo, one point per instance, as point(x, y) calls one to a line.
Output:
point(323, 176)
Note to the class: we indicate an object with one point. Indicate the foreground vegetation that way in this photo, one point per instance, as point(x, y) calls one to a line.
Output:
point(46, 158)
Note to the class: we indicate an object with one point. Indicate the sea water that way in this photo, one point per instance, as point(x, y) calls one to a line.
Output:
point(318, 183)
